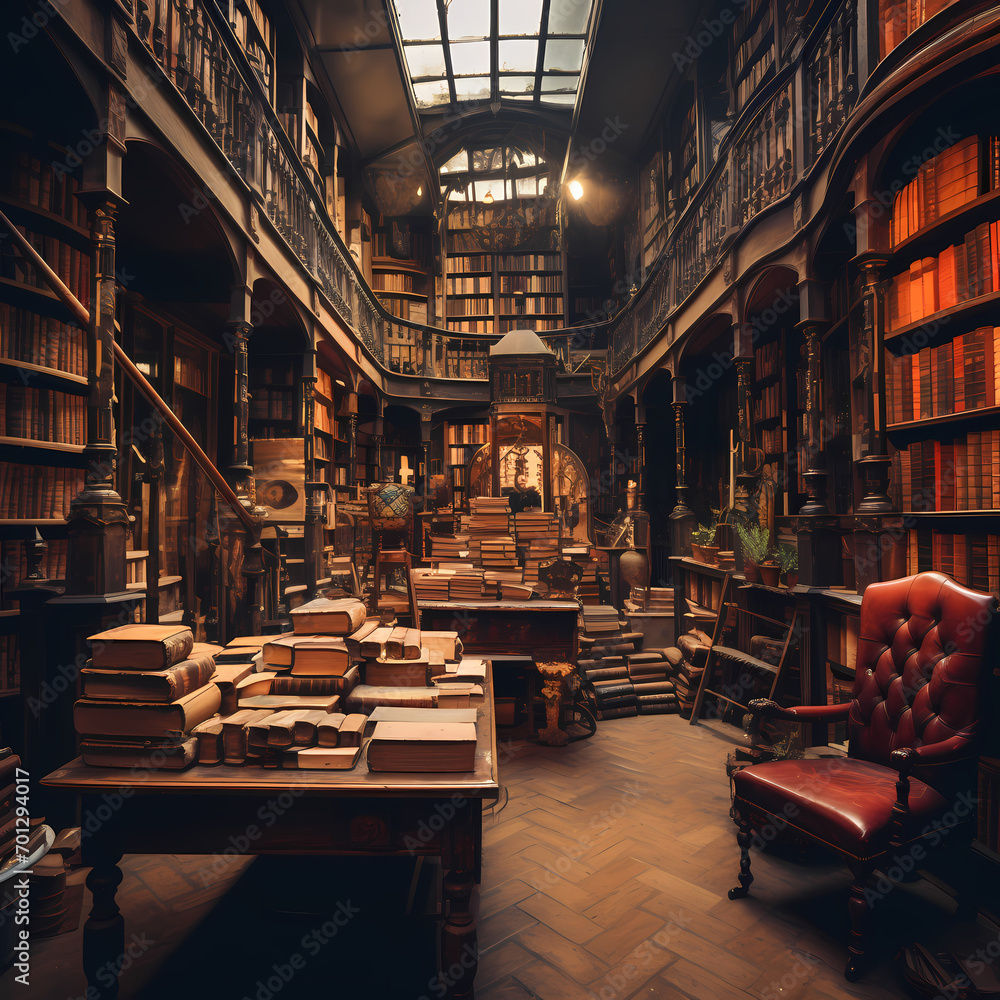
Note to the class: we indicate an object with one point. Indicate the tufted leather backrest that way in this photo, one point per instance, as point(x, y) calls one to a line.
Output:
point(920, 665)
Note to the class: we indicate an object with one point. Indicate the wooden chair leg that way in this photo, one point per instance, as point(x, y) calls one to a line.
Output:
point(858, 907)
point(744, 838)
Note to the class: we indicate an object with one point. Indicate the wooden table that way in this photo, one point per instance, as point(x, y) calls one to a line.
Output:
point(547, 631)
point(207, 809)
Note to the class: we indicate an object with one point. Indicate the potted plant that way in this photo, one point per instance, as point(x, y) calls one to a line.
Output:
point(788, 561)
point(753, 542)
point(702, 548)
point(769, 569)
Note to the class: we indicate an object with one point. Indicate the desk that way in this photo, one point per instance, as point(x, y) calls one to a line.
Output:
point(547, 631)
point(208, 810)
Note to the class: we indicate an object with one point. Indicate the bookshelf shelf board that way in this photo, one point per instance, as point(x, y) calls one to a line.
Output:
point(945, 514)
point(470, 295)
point(329, 434)
point(49, 378)
point(529, 315)
point(948, 227)
point(381, 292)
point(946, 419)
point(29, 292)
point(505, 271)
point(30, 521)
point(20, 442)
point(323, 398)
point(970, 310)
point(388, 264)
point(55, 224)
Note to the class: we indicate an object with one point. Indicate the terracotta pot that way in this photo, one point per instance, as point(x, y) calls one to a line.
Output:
point(751, 572)
point(697, 553)
point(711, 553)
point(769, 575)
point(792, 578)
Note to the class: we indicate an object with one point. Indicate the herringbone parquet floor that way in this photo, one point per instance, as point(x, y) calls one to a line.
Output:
point(606, 876)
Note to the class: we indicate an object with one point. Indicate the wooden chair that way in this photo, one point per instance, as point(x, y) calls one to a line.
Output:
point(913, 721)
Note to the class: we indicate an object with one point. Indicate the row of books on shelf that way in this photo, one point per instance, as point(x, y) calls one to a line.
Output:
point(747, 15)
point(470, 285)
point(272, 404)
point(530, 262)
point(769, 403)
point(751, 81)
point(34, 339)
point(27, 179)
point(469, 263)
point(191, 373)
point(538, 325)
point(955, 377)
point(750, 42)
point(529, 305)
point(531, 283)
point(42, 414)
point(383, 281)
point(767, 358)
point(10, 664)
point(972, 558)
point(961, 473)
point(411, 310)
point(273, 375)
point(772, 440)
point(324, 419)
point(959, 273)
point(37, 492)
point(467, 433)
point(470, 326)
point(71, 265)
point(943, 184)
point(470, 307)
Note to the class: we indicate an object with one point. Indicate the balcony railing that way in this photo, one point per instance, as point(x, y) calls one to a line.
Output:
point(756, 168)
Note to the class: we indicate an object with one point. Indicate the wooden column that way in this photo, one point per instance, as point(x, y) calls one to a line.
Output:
point(312, 542)
point(682, 519)
point(240, 470)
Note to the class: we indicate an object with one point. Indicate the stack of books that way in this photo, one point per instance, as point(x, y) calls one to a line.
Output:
point(431, 585)
point(143, 694)
point(600, 618)
point(498, 554)
point(449, 547)
point(466, 586)
point(537, 551)
point(536, 524)
point(487, 518)
point(657, 599)
point(692, 651)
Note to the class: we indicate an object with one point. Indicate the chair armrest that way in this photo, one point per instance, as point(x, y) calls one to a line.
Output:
point(768, 709)
point(949, 751)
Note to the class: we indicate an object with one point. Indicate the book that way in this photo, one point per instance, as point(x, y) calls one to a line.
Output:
point(226, 677)
point(279, 651)
point(287, 684)
point(402, 673)
point(209, 738)
point(359, 635)
point(239, 654)
point(153, 685)
point(352, 730)
point(422, 746)
point(277, 702)
point(373, 645)
point(396, 713)
point(325, 617)
point(254, 684)
point(141, 647)
point(234, 734)
point(395, 645)
point(324, 758)
point(447, 643)
point(167, 755)
point(306, 728)
point(328, 729)
point(131, 718)
point(322, 657)
point(471, 670)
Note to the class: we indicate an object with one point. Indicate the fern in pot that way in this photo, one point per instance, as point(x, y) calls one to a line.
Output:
point(788, 562)
point(754, 545)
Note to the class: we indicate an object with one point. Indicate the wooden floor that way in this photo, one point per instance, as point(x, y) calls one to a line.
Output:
point(605, 878)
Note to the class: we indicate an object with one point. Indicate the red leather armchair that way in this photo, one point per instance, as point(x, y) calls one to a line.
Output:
point(913, 722)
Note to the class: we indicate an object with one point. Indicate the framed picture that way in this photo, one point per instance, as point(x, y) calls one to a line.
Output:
point(279, 472)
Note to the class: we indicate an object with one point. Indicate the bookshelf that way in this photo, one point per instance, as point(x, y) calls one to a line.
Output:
point(461, 441)
point(400, 279)
point(43, 371)
point(942, 366)
point(752, 49)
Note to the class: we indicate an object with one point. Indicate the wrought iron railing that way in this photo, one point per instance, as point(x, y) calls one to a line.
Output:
point(756, 168)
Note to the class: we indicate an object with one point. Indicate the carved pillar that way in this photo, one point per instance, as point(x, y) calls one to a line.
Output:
point(817, 539)
point(240, 470)
point(352, 447)
point(315, 491)
point(682, 519)
point(98, 519)
point(640, 440)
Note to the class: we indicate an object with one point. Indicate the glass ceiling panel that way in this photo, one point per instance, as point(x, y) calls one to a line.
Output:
point(569, 17)
point(521, 17)
point(431, 94)
point(469, 19)
point(418, 19)
point(560, 84)
point(458, 163)
point(462, 58)
point(520, 55)
point(468, 58)
point(425, 60)
point(564, 53)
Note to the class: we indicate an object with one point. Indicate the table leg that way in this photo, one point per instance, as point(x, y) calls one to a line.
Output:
point(104, 931)
point(460, 886)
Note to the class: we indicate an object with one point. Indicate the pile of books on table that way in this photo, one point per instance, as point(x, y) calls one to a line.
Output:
point(449, 547)
point(488, 518)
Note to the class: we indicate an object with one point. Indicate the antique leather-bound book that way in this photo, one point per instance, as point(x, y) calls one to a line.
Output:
point(148, 685)
point(325, 617)
point(131, 718)
point(141, 647)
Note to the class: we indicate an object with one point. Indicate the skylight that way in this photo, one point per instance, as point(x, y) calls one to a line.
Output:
point(494, 50)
